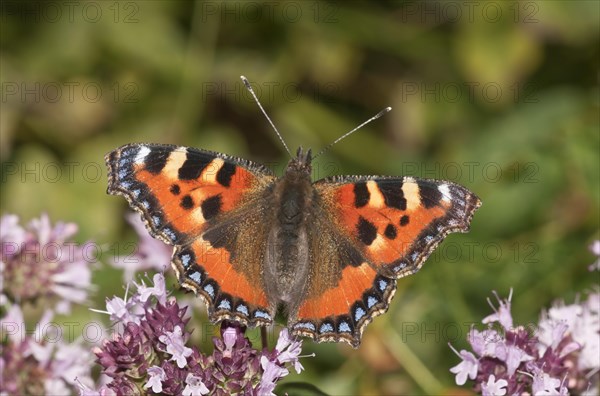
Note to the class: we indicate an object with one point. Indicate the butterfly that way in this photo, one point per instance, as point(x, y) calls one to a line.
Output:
point(327, 253)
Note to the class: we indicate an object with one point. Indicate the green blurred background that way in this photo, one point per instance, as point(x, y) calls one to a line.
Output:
point(501, 97)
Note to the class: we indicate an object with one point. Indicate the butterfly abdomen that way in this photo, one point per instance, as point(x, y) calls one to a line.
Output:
point(287, 259)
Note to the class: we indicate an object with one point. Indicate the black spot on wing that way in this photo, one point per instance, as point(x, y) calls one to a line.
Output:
point(193, 166)
point(390, 231)
point(392, 194)
point(225, 174)
point(211, 206)
point(361, 194)
point(187, 202)
point(367, 232)
point(175, 189)
point(404, 220)
point(156, 159)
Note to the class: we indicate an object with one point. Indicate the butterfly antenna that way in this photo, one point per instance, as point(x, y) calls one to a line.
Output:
point(330, 145)
point(249, 88)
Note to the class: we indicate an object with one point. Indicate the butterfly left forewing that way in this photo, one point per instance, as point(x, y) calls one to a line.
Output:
point(381, 229)
point(180, 190)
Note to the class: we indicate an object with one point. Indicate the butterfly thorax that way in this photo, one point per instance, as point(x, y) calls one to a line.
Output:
point(287, 257)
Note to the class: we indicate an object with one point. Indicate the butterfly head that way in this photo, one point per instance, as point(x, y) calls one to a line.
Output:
point(301, 164)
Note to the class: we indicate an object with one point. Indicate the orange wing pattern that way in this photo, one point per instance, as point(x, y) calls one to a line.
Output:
point(184, 194)
point(389, 226)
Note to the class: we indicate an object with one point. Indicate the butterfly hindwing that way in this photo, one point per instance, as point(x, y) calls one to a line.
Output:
point(224, 266)
point(187, 198)
point(381, 229)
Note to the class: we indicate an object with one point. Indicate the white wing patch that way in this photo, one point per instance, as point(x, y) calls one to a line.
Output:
point(445, 191)
point(141, 155)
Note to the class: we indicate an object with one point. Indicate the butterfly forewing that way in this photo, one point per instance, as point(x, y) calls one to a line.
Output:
point(187, 197)
point(397, 222)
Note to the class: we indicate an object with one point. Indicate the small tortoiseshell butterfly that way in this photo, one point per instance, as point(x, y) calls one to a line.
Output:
point(329, 252)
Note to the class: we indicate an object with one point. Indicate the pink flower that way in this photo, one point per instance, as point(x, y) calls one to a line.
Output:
point(158, 290)
point(545, 385)
point(12, 235)
point(566, 346)
point(13, 324)
point(484, 343)
point(152, 349)
point(466, 368)
point(40, 263)
point(176, 346)
point(85, 390)
point(502, 314)
point(579, 321)
point(513, 356)
point(230, 336)
point(157, 375)
point(493, 387)
point(272, 373)
point(289, 350)
point(274, 367)
point(194, 386)
point(57, 365)
point(123, 310)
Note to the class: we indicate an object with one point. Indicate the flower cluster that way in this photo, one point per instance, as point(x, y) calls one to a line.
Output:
point(40, 262)
point(40, 265)
point(561, 356)
point(40, 363)
point(151, 353)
